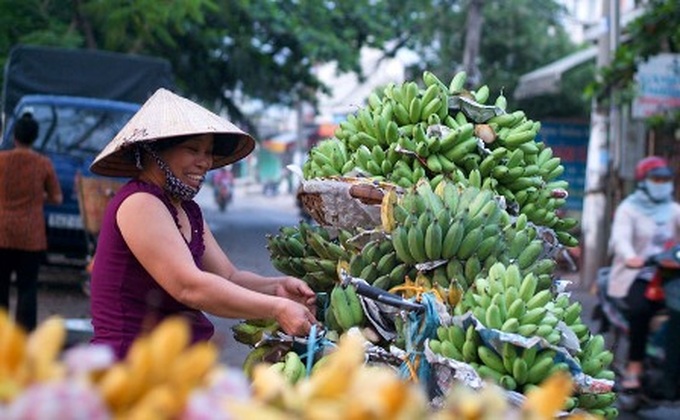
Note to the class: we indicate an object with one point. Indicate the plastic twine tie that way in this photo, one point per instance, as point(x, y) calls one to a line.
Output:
point(314, 345)
point(311, 348)
point(419, 327)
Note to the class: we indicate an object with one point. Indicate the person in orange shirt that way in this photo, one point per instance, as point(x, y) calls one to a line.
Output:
point(27, 182)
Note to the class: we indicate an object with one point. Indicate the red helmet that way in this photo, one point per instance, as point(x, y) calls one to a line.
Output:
point(655, 164)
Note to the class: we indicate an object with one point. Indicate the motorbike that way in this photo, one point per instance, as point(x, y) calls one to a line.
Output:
point(667, 265)
point(223, 187)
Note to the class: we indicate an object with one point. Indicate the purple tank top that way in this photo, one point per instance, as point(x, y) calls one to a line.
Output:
point(125, 300)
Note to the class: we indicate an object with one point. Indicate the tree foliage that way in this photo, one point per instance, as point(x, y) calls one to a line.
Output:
point(224, 51)
point(517, 37)
point(221, 50)
point(654, 32)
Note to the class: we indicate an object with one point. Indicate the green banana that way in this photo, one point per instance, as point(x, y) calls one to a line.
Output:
point(516, 309)
point(354, 304)
point(540, 299)
point(508, 382)
point(540, 369)
point(572, 313)
point(508, 354)
point(530, 254)
point(490, 358)
point(520, 370)
point(342, 312)
point(433, 241)
point(463, 147)
point(430, 108)
point(528, 287)
point(493, 317)
point(511, 325)
point(482, 94)
point(470, 243)
point(369, 272)
point(453, 239)
point(416, 244)
point(451, 351)
point(400, 243)
point(456, 335)
point(294, 246)
point(457, 83)
point(487, 372)
point(532, 316)
point(435, 345)
point(293, 368)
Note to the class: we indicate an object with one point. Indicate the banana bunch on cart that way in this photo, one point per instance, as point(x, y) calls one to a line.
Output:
point(437, 223)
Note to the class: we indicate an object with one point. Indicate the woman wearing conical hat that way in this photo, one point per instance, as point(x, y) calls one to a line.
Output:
point(156, 256)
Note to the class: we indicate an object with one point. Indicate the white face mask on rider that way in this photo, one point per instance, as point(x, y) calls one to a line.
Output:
point(659, 191)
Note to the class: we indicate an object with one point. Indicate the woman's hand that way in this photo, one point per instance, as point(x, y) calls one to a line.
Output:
point(294, 318)
point(635, 262)
point(298, 291)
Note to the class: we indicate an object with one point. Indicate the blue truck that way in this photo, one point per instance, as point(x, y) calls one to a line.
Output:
point(81, 99)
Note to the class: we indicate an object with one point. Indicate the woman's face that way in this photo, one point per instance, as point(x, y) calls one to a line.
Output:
point(190, 160)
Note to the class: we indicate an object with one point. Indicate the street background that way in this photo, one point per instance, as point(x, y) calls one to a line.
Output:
point(241, 231)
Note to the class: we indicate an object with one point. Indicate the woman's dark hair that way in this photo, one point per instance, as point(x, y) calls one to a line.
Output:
point(26, 129)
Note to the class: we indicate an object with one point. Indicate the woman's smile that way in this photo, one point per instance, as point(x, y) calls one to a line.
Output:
point(195, 180)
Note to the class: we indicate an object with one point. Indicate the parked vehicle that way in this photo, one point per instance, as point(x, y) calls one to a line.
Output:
point(81, 99)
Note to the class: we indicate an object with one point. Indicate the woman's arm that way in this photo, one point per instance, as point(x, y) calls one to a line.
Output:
point(53, 194)
point(623, 233)
point(216, 261)
point(150, 232)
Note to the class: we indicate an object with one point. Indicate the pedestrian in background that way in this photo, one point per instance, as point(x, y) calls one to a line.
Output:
point(27, 182)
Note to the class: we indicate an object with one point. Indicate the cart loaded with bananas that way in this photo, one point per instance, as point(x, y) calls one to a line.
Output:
point(436, 237)
point(433, 258)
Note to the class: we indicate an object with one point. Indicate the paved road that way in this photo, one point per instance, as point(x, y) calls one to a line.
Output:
point(241, 231)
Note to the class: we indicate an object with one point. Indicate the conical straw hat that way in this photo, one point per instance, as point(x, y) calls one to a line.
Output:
point(167, 115)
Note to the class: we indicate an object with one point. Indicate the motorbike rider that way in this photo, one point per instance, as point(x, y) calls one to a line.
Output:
point(643, 223)
point(223, 183)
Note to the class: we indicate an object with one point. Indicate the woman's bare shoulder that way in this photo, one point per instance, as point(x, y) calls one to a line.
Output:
point(141, 205)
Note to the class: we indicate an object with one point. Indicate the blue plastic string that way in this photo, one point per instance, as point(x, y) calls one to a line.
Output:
point(419, 327)
point(311, 348)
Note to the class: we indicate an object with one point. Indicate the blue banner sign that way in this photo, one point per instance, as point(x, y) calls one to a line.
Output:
point(569, 141)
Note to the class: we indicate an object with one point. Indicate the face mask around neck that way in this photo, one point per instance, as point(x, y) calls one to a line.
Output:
point(173, 185)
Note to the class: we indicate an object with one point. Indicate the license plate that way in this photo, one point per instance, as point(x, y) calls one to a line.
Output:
point(64, 221)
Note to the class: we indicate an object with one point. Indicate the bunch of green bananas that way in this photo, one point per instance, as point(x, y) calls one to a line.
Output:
point(464, 230)
point(291, 367)
point(474, 216)
point(344, 310)
point(514, 368)
point(456, 342)
point(595, 361)
point(526, 247)
point(265, 353)
point(595, 358)
point(406, 133)
point(517, 368)
point(377, 263)
point(447, 225)
point(308, 252)
point(599, 405)
point(251, 331)
point(327, 159)
point(507, 301)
